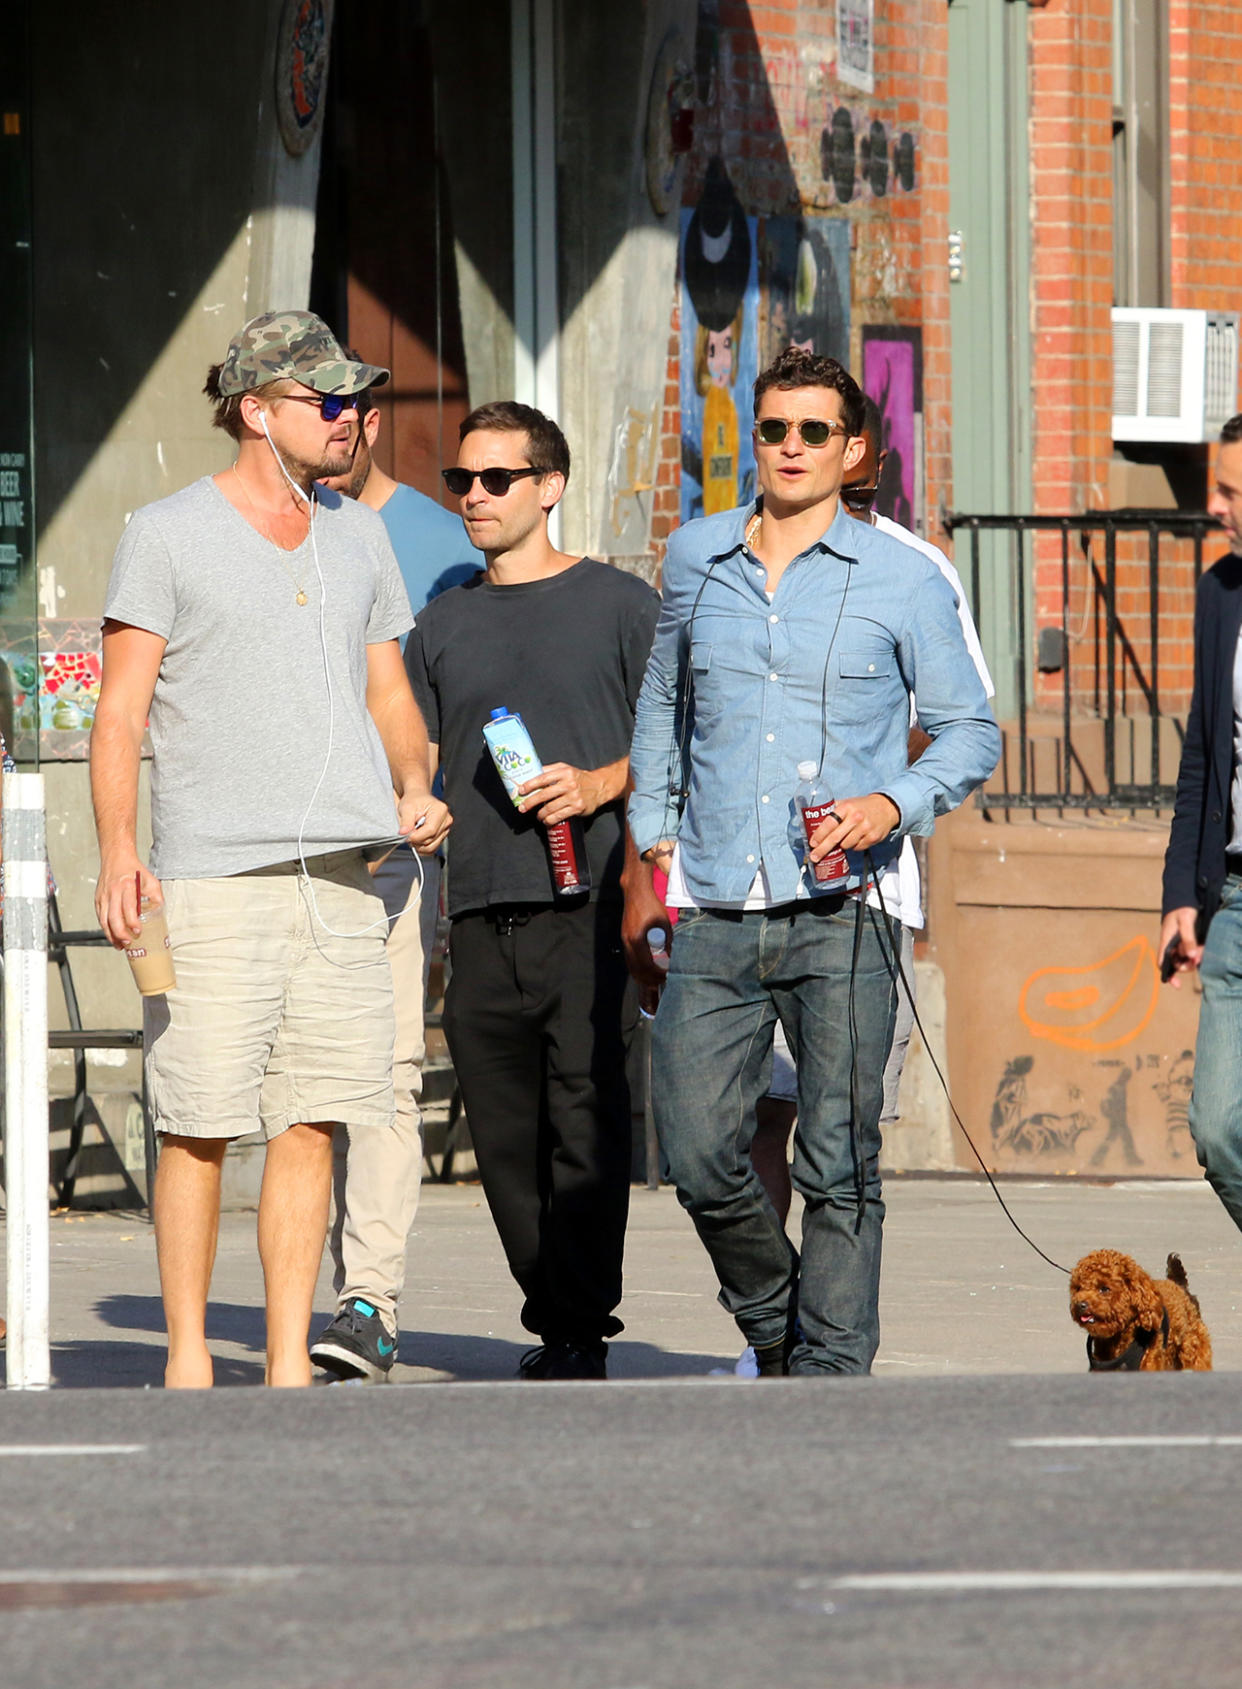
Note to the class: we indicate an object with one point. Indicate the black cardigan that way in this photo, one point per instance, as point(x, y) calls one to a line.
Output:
point(1194, 864)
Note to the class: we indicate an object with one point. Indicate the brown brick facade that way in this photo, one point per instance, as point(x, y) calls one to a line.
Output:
point(775, 106)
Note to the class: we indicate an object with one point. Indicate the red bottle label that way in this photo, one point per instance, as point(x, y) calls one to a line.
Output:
point(567, 875)
point(833, 869)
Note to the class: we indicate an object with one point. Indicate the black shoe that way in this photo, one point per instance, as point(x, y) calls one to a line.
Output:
point(772, 1359)
point(356, 1344)
point(560, 1361)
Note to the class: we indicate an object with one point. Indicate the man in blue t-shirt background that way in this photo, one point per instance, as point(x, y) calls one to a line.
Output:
point(433, 554)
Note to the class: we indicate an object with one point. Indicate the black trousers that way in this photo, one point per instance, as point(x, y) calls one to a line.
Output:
point(537, 1016)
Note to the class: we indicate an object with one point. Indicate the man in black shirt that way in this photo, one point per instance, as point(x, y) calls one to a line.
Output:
point(536, 1009)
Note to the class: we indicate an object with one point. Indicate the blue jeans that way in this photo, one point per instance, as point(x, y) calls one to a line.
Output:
point(1216, 1101)
point(731, 975)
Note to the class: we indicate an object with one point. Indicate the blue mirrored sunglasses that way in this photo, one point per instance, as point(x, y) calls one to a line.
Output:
point(331, 405)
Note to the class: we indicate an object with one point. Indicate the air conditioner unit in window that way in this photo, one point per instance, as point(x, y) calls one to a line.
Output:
point(1175, 374)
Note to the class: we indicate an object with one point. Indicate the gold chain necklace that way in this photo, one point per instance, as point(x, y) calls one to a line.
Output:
point(280, 550)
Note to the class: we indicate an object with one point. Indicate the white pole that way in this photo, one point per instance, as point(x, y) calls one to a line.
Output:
point(25, 1081)
point(524, 299)
point(536, 282)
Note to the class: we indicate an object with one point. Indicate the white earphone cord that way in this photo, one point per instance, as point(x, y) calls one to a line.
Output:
point(312, 502)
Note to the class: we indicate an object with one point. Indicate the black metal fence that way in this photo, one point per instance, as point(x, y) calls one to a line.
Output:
point(1111, 747)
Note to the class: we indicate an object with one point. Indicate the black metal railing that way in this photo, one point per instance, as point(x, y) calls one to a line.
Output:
point(1087, 747)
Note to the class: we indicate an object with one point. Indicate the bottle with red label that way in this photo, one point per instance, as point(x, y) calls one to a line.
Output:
point(814, 802)
point(516, 762)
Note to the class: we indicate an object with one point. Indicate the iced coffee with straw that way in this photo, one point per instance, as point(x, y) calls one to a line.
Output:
point(150, 955)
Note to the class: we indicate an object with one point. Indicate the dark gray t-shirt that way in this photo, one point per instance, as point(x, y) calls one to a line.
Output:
point(253, 687)
point(568, 654)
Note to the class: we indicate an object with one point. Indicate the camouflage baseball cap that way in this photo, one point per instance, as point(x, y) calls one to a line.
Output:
point(293, 346)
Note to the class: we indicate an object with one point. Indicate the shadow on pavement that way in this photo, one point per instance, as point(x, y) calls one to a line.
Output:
point(227, 1322)
point(132, 1366)
point(447, 1356)
point(479, 1359)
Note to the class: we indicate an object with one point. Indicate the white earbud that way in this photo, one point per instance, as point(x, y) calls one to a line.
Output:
point(280, 460)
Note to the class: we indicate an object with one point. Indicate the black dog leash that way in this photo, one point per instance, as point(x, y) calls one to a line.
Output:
point(898, 973)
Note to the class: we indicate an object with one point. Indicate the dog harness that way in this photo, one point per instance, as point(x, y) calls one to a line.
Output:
point(1130, 1359)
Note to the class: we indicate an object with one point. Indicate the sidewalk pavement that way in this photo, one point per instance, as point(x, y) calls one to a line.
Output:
point(962, 1293)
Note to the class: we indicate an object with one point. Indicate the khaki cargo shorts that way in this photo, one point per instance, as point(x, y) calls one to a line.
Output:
point(283, 1009)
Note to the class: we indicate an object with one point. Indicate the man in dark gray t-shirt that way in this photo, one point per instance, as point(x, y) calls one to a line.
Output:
point(536, 1004)
point(255, 623)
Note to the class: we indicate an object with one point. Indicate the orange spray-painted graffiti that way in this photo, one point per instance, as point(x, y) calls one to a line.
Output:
point(1098, 1007)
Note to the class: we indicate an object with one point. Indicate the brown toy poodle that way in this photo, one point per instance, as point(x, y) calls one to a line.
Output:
point(1134, 1323)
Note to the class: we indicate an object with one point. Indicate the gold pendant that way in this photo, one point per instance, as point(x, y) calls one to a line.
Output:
point(301, 598)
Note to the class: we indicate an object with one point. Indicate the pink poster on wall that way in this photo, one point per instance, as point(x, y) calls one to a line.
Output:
point(892, 375)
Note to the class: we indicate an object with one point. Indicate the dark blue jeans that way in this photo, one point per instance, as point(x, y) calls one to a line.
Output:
point(1216, 1101)
point(730, 976)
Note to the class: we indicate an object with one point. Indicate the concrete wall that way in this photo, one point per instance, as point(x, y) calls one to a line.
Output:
point(618, 271)
point(167, 212)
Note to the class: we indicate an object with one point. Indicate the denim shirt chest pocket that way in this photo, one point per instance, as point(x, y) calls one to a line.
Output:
point(865, 668)
point(706, 703)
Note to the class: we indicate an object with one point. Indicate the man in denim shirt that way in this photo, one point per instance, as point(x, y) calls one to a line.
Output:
point(790, 632)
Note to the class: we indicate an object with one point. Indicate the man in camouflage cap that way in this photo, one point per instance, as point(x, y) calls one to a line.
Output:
point(254, 618)
point(293, 346)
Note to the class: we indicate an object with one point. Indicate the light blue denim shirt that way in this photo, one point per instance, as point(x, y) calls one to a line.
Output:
point(741, 688)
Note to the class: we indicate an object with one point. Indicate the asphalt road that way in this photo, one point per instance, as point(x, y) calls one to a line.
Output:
point(859, 1532)
point(664, 1529)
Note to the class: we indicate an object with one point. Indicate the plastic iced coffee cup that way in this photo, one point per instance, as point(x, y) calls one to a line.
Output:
point(151, 957)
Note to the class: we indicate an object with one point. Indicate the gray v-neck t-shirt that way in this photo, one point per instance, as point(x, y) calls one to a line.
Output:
point(258, 696)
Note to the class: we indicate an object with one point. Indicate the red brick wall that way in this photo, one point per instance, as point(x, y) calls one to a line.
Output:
point(1205, 147)
point(1071, 91)
point(920, 76)
point(779, 91)
point(1071, 248)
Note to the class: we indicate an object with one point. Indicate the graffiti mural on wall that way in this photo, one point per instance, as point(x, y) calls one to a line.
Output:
point(1077, 1135)
point(804, 286)
point(1098, 1007)
point(1099, 1010)
point(1174, 1092)
point(892, 375)
point(719, 349)
point(856, 155)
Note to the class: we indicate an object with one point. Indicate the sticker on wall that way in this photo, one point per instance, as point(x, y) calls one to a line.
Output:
point(804, 286)
point(892, 375)
point(719, 349)
point(302, 46)
point(51, 692)
point(16, 535)
point(856, 43)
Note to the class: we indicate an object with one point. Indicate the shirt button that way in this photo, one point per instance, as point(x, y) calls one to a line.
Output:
point(766, 798)
point(771, 677)
point(750, 859)
point(870, 668)
point(774, 618)
point(771, 738)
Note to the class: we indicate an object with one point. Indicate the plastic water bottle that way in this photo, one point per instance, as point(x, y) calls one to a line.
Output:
point(814, 803)
point(517, 761)
point(658, 946)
